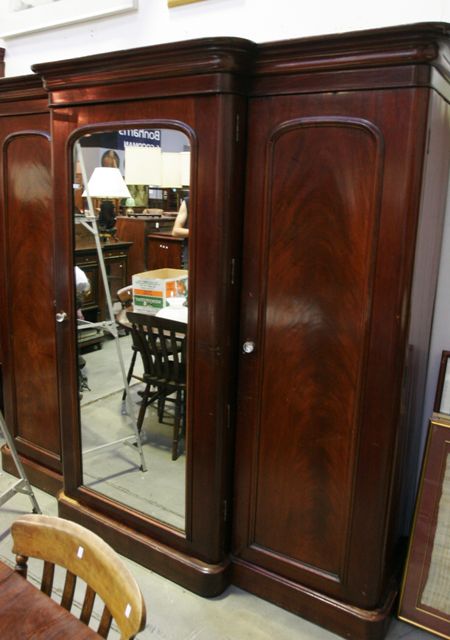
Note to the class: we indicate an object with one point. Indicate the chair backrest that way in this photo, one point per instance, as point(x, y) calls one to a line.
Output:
point(83, 554)
point(162, 345)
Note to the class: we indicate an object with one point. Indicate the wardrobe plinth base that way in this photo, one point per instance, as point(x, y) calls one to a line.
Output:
point(37, 474)
point(339, 617)
point(204, 579)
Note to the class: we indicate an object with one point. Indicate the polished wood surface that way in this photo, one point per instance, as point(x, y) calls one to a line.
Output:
point(399, 56)
point(319, 222)
point(332, 210)
point(343, 215)
point(163, 251)
point(27, 281)
point(136, 231)
point(197, 558)
point(27, 613)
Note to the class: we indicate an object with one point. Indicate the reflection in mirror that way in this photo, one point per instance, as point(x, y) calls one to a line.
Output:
point(131, 217)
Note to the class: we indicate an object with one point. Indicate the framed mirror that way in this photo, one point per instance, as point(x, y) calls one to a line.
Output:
point(131, 211)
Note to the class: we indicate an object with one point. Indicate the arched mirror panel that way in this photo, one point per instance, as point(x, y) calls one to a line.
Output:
point(131, 216)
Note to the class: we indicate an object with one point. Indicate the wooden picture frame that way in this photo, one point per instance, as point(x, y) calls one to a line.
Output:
point(442, 399)
point(425, 596)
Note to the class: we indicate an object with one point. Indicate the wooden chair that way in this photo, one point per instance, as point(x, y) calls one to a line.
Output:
point(162, 345)
point(125, 296)
point(84, 555)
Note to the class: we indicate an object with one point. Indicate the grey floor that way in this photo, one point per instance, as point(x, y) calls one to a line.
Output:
point(172, 612)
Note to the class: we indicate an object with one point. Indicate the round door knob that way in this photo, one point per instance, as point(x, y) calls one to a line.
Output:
point(61, 316)
point(248, 346)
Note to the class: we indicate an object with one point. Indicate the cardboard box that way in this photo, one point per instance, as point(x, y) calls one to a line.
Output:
point(151, 289)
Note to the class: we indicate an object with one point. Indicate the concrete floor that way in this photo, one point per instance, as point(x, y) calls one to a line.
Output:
point(176, 614)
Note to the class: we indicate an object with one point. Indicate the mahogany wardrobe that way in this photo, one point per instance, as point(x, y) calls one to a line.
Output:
point(318, 180)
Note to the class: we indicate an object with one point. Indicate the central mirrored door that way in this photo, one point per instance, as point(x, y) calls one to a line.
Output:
point(131, 219)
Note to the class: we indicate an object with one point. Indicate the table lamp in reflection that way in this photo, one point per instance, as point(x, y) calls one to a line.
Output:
point(106, 184)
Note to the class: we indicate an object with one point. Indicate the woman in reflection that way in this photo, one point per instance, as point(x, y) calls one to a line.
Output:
point(181, 230)
point(111, 159)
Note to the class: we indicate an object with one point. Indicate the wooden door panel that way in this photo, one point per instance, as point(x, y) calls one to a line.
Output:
point(310, 255)
point(31, 314)
point(321, 214)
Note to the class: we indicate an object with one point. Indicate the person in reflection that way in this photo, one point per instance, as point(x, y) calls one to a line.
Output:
point(82, 289)
point(111, 159)
point(181, 230)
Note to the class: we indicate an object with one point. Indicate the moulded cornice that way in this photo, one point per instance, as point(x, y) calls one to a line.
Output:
point(28, 87)
point(422, 43)
point(404, 56)
point(187, 58)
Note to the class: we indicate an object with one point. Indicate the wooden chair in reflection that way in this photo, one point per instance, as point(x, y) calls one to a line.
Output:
point(162, 345)
point(83, 555)
point(125, 296)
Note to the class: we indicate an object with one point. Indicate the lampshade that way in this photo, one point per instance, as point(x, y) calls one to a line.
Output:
point(143, 165)
point(185, 161)
point(171, 169)
point(107, 182)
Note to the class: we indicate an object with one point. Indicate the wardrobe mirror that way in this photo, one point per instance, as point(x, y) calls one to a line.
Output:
point(131, 221)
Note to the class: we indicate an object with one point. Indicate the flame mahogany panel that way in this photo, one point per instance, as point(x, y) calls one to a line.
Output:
point(332, 207)
point(29, 258)
point(323, 180)
point(26, 282)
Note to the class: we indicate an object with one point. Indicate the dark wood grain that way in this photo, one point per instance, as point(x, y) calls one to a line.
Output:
point(345, 176)
point(29, 258)
point(26, 281)
point(320, 247)
point(164, 251)
point(209, 120)
point(331, 219)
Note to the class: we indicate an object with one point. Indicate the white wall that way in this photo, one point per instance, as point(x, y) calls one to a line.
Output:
point(258, 20)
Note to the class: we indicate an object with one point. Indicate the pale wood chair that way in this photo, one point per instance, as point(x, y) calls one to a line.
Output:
point(85, 555)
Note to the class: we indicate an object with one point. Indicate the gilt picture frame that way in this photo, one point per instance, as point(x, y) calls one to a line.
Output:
point(178, 3)
point(425, 595)
point(22, 17)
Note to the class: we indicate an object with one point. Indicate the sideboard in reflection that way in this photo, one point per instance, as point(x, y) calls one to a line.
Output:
point(136, 230)
point(164, 250)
